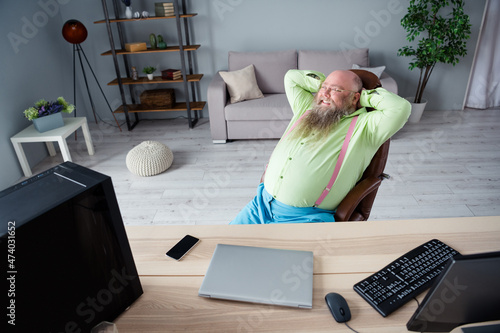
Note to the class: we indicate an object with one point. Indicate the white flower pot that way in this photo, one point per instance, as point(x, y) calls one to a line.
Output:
point(416, 109)
point(150, 76)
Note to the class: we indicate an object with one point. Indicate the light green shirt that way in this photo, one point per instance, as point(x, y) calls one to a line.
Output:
point(300, 168)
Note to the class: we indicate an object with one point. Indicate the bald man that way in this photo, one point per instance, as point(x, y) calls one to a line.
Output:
point(297, 186)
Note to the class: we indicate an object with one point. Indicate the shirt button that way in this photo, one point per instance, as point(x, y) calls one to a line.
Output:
point(281, 177)
point(290, 158)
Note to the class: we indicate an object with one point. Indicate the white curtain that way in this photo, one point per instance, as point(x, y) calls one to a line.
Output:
point(484, 82)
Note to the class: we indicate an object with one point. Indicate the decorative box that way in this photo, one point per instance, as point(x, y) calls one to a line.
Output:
point(158, 98)
point(134, 47)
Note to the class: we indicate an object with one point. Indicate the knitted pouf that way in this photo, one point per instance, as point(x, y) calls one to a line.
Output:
point(149, 158)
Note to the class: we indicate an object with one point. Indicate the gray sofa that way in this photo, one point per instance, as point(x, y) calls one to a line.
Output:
point(267, 117)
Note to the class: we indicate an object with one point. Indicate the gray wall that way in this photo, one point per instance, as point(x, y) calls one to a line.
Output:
point(35, 65)
point(36, 60)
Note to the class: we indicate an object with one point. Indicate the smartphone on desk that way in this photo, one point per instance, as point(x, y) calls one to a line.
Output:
point(180, 249)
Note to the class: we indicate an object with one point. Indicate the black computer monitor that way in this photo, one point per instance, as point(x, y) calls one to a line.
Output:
point(69, 262)
point(467, 291)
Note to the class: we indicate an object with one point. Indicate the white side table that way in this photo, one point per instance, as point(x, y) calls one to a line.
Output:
point(30, 134)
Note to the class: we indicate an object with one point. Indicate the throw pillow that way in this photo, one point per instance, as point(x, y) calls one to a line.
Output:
point(242, 84)
point(375, 70)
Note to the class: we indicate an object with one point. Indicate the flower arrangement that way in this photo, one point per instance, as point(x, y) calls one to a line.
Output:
point(126, 2)
point(43, 108)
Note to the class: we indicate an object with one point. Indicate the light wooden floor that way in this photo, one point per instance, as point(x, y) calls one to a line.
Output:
point(445, 166)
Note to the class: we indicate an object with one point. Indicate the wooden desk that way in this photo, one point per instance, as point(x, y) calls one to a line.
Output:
point(344, 253)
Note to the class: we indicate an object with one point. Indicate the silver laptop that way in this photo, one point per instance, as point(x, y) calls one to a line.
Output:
point(260, 275)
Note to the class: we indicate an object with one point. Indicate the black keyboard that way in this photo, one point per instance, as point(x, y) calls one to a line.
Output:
point(406, 277)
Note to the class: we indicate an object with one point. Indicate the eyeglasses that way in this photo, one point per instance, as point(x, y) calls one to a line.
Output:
point(334, 90)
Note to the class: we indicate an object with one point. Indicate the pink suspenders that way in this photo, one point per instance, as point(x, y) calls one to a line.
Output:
point(343, 151)
point(339, 162)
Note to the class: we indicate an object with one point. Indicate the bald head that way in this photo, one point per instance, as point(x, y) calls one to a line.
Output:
point(344, 80)
point(338, 88)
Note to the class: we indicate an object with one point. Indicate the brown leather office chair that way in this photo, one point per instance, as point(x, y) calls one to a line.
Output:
point(357, 205)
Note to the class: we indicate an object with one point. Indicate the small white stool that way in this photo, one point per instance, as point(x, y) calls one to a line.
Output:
point(30, 134)
point(149, 158)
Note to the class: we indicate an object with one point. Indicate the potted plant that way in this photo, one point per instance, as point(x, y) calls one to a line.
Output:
point(47, 115)
point(149, 70)
point(442, 29)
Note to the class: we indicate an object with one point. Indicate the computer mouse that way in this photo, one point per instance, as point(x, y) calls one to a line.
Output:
point(338, 307)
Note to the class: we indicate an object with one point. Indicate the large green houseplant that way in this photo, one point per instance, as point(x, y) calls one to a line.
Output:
point(442, 29)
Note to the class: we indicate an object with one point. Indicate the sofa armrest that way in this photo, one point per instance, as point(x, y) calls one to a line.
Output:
point(389, 83)
point(217, 100)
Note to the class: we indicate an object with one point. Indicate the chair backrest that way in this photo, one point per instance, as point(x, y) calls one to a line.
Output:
point(357, 205)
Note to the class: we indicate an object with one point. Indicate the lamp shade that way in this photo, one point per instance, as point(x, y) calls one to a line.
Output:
point(74, 32)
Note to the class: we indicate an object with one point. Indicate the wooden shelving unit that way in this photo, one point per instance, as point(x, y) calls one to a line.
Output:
point(168, 49)
point(155, 80)
point(192, 106)
point(137, 108)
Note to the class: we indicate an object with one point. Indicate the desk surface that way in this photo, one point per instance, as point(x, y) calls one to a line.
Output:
point(344, 253)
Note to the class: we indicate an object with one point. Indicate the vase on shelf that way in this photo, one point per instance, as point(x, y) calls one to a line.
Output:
point(47, 123)
point(150, 76)
point(128, 12)
point(152, 41)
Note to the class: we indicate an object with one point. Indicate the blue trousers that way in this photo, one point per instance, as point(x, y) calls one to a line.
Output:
point(264, 209)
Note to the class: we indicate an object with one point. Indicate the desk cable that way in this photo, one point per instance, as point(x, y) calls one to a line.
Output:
point(349, 327)
point(418, 304)
point(352, 329)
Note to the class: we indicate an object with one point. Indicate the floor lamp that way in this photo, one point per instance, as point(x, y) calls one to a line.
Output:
point(75, 33)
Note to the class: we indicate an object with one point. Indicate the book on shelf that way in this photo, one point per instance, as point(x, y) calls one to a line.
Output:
point(164, 9)
point(171, 74)
point(160, 12)
point(164, 4)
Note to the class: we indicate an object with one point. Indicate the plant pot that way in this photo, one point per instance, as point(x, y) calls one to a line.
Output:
point(49, 122)
point(150, 76)
point(416, 109)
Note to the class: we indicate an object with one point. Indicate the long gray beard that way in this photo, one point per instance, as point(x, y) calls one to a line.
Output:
point(320, 120)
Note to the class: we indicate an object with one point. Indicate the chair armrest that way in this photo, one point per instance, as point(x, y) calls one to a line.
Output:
point(217, 100)
point(354, 197)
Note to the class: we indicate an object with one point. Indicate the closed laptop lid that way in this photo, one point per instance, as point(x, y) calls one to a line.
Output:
point(260, 275)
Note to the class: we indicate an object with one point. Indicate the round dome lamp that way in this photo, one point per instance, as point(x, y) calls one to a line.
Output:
point(74, 32)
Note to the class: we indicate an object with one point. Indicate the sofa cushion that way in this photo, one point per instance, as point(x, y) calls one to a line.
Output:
point(271, 107)
point(328, 61)
point(270, 67)
point(242, 84)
